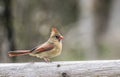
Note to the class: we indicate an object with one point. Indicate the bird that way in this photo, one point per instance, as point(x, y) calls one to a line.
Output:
point(51, 48)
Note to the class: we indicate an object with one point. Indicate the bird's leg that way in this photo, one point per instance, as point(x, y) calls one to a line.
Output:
point(47, 60)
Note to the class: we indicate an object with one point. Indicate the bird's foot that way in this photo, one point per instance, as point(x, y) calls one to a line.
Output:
point(47, 60)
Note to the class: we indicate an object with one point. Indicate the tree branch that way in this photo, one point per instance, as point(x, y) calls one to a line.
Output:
point(108, 68)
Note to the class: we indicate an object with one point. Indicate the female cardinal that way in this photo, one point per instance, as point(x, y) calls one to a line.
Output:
point(47, 50)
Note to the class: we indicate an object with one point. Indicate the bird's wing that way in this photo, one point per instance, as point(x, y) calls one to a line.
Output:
point(43, 48)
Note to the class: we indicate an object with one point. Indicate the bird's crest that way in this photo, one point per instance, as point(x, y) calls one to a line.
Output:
point(54, 30)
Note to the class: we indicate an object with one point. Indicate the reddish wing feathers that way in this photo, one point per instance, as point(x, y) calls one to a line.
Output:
point(46, 47)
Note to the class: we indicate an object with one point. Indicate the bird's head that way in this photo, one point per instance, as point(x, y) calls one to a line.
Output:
point(55, 35)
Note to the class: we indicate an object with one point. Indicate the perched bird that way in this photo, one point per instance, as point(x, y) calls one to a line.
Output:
point(47, 50)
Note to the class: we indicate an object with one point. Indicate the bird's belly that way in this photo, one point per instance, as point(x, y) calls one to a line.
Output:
point(54, 53)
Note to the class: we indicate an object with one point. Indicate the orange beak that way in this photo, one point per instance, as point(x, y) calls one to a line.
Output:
point(61, 37)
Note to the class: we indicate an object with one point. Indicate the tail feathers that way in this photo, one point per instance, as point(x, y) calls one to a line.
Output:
point(18, 53)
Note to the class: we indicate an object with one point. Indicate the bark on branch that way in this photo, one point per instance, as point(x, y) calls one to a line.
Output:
point(108, 68)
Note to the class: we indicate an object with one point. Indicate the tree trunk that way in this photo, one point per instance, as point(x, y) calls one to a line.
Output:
point(8, 41)
point(102, 15)
point(87, 29)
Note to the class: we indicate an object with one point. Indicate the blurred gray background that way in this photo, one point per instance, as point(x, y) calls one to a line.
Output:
point(91, 28)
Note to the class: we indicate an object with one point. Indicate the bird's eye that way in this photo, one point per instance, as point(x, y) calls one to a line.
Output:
point(57, 37)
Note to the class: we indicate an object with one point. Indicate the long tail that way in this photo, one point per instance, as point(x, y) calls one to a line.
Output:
point(18, 53)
